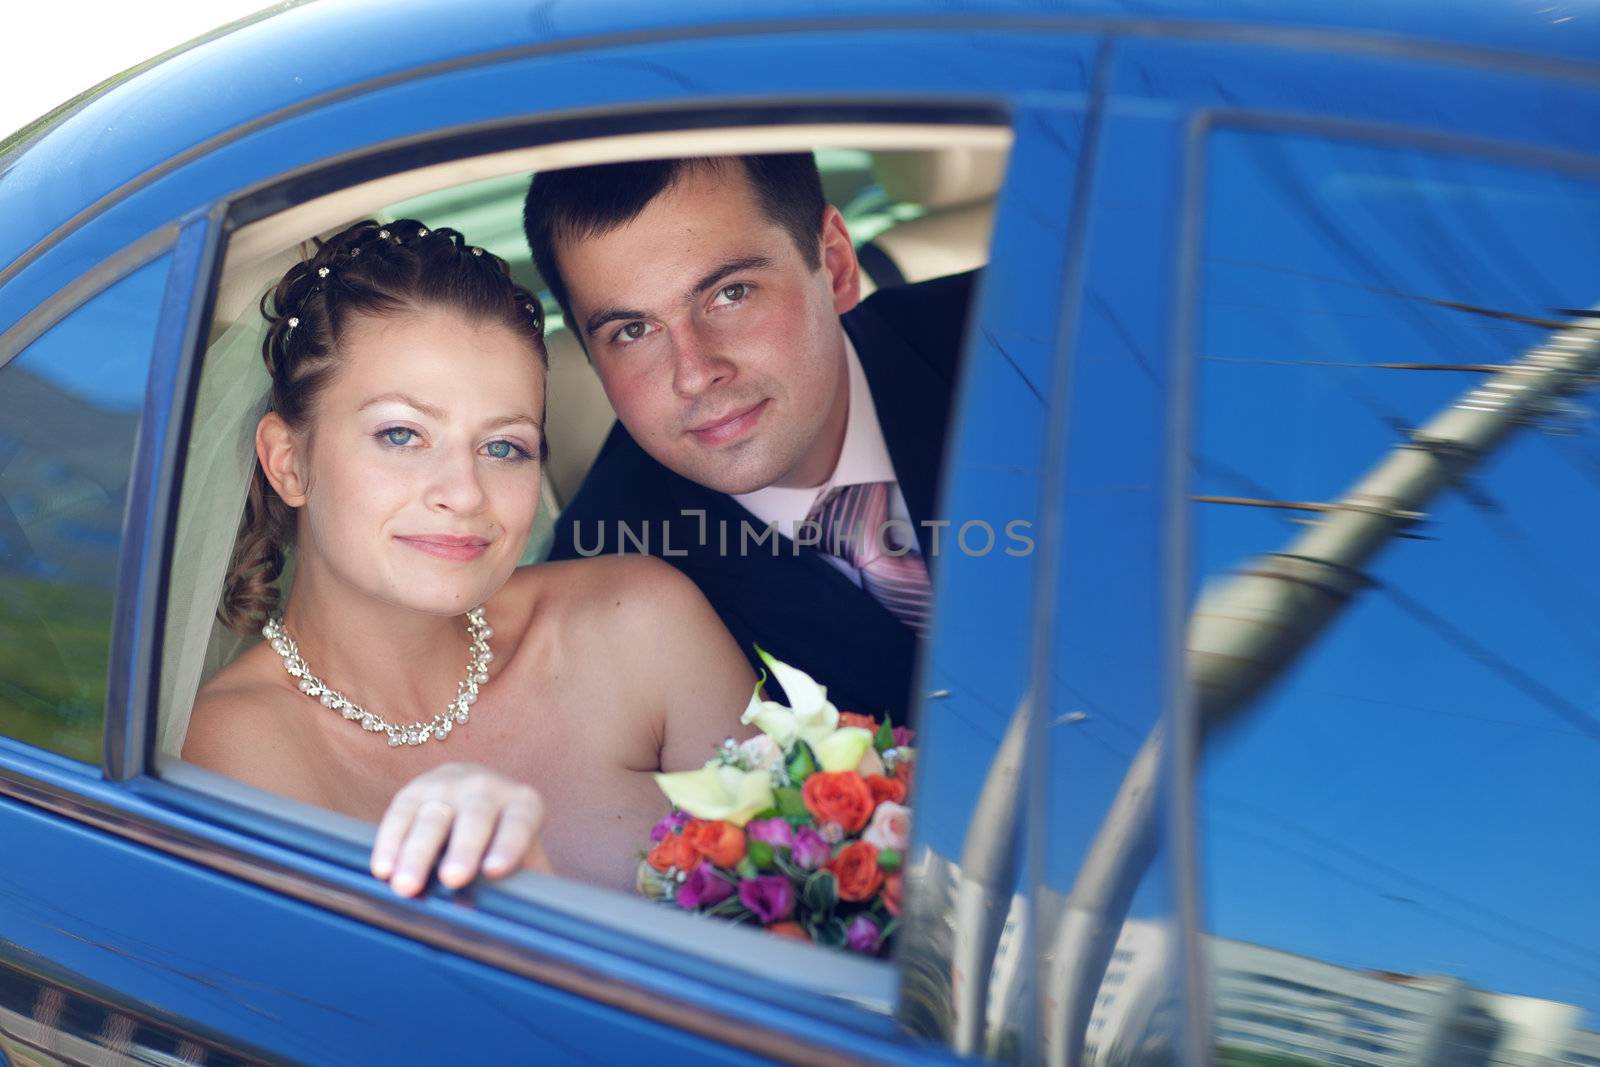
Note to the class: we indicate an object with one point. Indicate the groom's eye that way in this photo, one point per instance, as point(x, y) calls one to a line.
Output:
point(634, 330)
point(734, 293)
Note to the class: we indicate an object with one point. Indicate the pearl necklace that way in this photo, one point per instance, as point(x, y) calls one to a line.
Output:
point(435, 729)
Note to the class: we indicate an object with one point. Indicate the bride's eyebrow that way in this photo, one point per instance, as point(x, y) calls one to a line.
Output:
point(409, 401)
point(513, 420)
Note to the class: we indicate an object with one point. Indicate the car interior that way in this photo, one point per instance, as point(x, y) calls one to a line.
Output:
point(918, 200)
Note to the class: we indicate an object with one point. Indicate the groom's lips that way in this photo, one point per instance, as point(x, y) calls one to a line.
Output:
point(725, 429)
point(447, 546)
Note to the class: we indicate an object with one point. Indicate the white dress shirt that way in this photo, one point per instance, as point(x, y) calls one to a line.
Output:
point(864, 458)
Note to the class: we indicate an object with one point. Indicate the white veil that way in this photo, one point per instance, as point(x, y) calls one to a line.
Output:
point(216, 475)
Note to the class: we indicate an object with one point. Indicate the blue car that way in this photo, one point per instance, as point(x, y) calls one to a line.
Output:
point(1257, 722)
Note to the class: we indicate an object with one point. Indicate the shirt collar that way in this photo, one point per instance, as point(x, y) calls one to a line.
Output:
point(863, 458)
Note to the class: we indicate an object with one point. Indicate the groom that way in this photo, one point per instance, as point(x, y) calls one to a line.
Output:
point(778, 443)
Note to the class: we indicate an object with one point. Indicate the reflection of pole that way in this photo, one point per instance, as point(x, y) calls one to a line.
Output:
point(985, 886)
point(1248, 629)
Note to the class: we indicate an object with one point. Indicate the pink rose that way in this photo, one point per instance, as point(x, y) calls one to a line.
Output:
point(870, 764)
point(810, 849)
point(770, 896)
point(864, 935)
point(890, 827)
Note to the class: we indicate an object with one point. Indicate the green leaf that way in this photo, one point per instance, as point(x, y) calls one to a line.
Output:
point(746, 868)
point(820, 893)
point(784, 865)
point(890, 927)
point(760, 853)
point(832, 933)
point(883, 741)
point(802, 762)
point(767, 813)
point(791, 803)
point(889, 859)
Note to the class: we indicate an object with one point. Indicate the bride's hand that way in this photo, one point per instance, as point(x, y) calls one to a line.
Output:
point(492, 824)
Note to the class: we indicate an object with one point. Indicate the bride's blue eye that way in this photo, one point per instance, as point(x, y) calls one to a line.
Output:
point(504, 450)
point(398, 435)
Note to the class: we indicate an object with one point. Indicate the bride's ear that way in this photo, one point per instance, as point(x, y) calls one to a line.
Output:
point(279, 452)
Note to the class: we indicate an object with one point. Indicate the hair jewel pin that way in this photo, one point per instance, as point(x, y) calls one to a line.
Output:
point(383, 234)
point(477, 251)
point(293, 322)
point(322, 272)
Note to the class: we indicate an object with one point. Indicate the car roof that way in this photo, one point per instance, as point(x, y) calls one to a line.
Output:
point(253, 71)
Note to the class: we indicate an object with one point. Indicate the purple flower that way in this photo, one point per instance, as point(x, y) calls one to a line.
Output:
point(902, 736)
point(668, 825)
point(863, 935)
point(702, 889)
point(772, 831)
point(810, 850)
point(770, 896)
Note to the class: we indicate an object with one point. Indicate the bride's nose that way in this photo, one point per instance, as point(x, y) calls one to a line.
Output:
point(456, 482)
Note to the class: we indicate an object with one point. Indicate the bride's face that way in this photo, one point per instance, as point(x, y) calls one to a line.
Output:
point(420, 462)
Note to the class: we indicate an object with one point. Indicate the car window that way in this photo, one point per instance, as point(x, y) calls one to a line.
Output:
point(1397, 480)
point(69, 415)
point(488, 212)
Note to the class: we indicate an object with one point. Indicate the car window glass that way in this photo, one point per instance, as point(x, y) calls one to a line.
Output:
point(69, 415)
point(1396, 648)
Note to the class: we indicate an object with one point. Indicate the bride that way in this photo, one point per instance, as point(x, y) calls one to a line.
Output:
point(416, 673)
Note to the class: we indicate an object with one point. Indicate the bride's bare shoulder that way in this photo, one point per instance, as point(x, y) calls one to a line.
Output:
point(240, 725)
point(603, 585)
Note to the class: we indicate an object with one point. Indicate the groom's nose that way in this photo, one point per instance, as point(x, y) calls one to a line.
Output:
point(456, 482)
point(697, 362)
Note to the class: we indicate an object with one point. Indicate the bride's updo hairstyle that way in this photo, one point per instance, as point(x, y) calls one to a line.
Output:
point(370, 269)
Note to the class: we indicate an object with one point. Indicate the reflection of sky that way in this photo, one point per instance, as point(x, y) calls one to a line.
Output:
point(1402, 802)
point(88, 354)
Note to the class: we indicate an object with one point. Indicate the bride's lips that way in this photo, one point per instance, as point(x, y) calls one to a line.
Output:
point(730, 427)
point(447, 546)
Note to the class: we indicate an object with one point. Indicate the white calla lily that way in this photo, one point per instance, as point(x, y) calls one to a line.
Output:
point(843, 749)
point(721, 792)
point(810, 718)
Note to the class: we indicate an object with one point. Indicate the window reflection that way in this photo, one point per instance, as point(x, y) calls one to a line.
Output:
point(69, 415)
point(1388, 830)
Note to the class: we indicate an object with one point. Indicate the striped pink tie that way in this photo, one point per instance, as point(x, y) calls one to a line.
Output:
point(852, 520)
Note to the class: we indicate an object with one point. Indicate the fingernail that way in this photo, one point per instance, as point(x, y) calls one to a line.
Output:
point(455, 872)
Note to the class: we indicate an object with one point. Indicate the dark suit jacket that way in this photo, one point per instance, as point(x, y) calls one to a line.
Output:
point(794, 603)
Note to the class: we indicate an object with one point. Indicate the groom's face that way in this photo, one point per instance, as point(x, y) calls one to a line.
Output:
point(717, 343)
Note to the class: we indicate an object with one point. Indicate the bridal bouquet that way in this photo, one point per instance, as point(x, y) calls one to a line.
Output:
point(802, 829)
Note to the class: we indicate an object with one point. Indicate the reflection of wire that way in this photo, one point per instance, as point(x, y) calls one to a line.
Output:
point(1335, 845)
point(1497, 664)
point(1354, 879)
point(1546, 586)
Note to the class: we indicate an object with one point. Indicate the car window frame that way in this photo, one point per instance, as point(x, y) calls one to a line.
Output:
point(514, 921)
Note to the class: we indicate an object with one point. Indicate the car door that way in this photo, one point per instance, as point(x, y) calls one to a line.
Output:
point(1353, 272)
point(250, 928)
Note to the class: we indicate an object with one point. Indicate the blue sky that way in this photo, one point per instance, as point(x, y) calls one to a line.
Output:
point(1403, 800)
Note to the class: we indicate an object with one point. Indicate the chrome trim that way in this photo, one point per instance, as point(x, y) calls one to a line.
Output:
point(102, 275)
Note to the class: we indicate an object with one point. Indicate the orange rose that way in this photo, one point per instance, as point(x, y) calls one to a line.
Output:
point(893, 887)
point(891, 789)
point(839, 796)
point(789, 929)
point(855, 718)
point(720, 842)
point(856, 868)
point(674, 850)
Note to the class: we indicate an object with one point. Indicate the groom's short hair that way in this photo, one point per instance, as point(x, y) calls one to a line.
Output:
point(581, 202)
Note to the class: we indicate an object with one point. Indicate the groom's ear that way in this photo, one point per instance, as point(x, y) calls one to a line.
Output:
point(278, 449)
point(839, 260)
